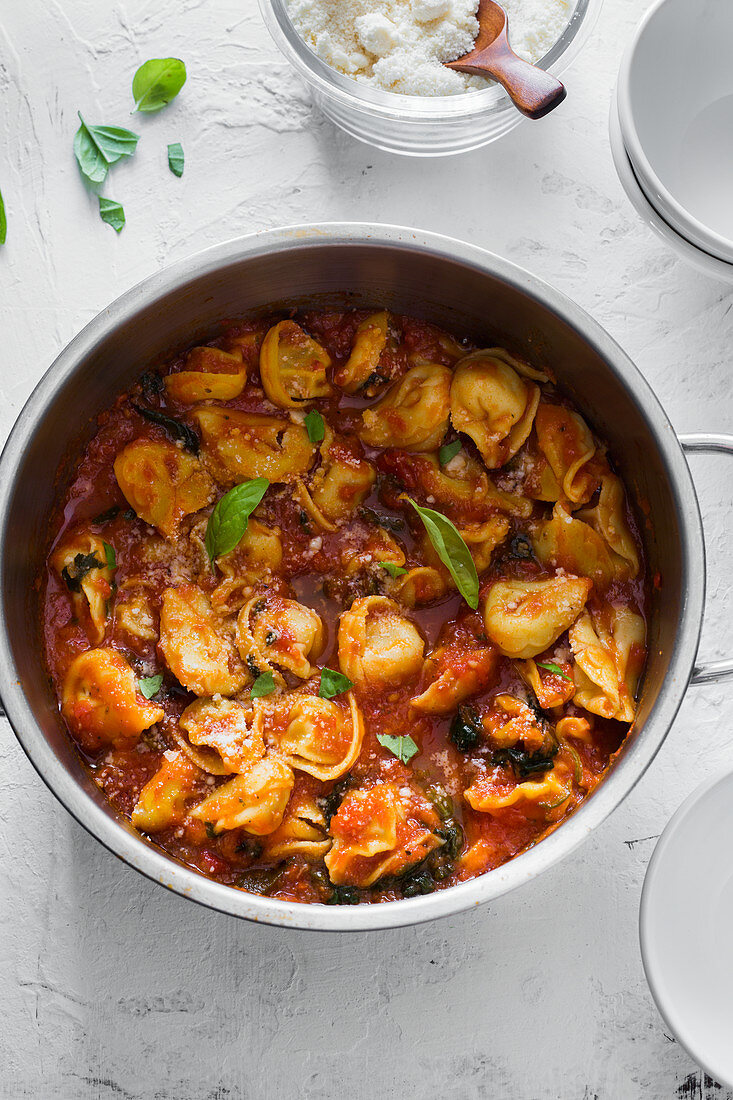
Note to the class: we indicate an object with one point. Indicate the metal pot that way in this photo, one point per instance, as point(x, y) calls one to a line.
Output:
point(468, 291)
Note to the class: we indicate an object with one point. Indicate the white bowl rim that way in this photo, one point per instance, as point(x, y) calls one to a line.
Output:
point(703, 261)
point(666, 1011)
point(703, 237)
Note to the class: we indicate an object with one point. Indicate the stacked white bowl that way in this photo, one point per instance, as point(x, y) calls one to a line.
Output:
point(671, 129)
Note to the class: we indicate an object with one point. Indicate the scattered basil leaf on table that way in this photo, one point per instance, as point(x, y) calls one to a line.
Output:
point(150, 685)
point(393, 570)
point(263, 685)
point(452, 551)
point(228, 522)
point(552, 667)
point(96, 147)
point(3, 221)
point(112, 213)
point(315, 426)
point(175, 428)
point(175, 158)
point(403, 747)
point(449, 451)
point(157, 82)
point(333, 683)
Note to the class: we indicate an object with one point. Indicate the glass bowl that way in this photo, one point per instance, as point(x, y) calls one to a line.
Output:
point(418, 126)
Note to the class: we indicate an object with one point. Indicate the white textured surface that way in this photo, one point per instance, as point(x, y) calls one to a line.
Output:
point(111, 988)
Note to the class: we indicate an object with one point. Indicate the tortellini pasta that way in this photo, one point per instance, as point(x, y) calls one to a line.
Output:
point(544, 795)
point(257, 557)
point(101, 700)
point(456, 670)
point(198, 645)
point(608, 518)
point(377, 643)
point(83, 563)
point(361, 370)
point(162, 483)
point(340, 484)
point(523, 618)
point(273, 631)
point(293, 366)
point(413, 414)
point(238, 446)
point(565, 541)
point(320, 736)
point(221, 739)
point(608, 653)
point(568, 446)
point(302, 833)
point(164, 800)
point(135, 614)
point(208, 374)
point(380, 831)
point(510, 720)
point(254, 801)
point(493, 405)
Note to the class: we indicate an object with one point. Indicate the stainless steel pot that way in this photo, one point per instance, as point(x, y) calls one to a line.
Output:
point(468, 291)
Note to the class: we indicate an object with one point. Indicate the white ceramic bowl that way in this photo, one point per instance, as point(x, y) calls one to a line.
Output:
point(686, 927)
point(703, 261)
point(675, 102)
point(419, 126)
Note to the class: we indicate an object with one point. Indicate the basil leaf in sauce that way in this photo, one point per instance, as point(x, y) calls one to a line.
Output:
point(175, 158)
point(175, 428)
point(263, 685)
point(315, 426)
point(3, 221)
point(452, 551)
point(555, 669)
point(112, 213)
point(96, 147)
point(228, 522)
point(333, 683)
point(403, 747)
point(157, 82)
point(109, 553)
point(82, 564)
point(393, 570)
point(449, 451)
point(150, 685)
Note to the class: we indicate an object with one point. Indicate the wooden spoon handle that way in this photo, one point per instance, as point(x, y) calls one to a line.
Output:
point(533, 91)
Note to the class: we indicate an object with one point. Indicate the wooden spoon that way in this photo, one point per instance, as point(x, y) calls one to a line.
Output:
point(533, 91)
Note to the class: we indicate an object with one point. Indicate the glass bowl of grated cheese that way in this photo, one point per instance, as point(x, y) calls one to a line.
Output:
point(374, 66)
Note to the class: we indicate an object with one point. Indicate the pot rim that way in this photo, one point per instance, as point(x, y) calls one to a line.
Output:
point(142, 855)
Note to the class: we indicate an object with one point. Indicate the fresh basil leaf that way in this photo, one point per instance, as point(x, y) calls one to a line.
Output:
point(228, 522)
point(315, 426)
point(449, 451)
point(551, 667)
point(96, 147)
point(3, 221)
point(175, 158)
point(157, 82)
point(403, 747)
point(263, 685)
point(452, 551)
point(333, 683)
point(175, 428)
point(109, 553)
point(112, 213)
point(150, 685)
point(392, 569)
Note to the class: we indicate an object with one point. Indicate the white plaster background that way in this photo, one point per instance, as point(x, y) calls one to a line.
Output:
point(112, 988)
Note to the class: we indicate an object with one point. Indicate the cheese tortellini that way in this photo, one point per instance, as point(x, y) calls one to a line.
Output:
point(164, 800)
point(341, 483)
point(523, 618)
point(275, 632)
point(293, 366)
point(254, 801)
point(209, 374)
point(361, 370)
point(568, 446)
point(302, 832)
point(493, 405)
point(378, 644)
point(541, 795)
point(162, 483)
point(608, 650)
point(83, 562)
point(219, 736)
point(413, 414)
point(320, 736)
point(198, 645)
point(238, 446)
point(101, 700)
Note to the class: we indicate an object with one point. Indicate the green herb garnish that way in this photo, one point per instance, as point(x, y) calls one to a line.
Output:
point(228, 522)
point(175, 158)
point(466, 728)
point(451, 549)
point(403, 747)
point(555, 669)
point(449, 451)
point(109, 553)
point(96, 147)
point(263, 685)
point(112, 213)
point(157, 82)
point(174, 428)
point(82, 564)
point(393, 570)
point(315, 426)
point(333, 683)
point(150, 685)
point(3, 221)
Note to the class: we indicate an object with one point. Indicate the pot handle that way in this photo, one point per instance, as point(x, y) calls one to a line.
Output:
point(709, 672)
